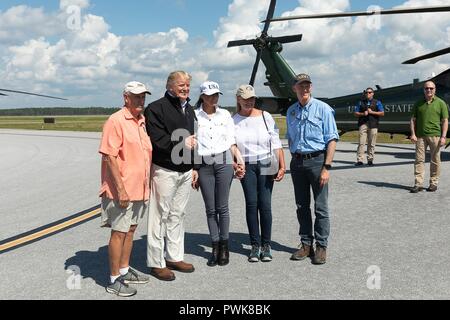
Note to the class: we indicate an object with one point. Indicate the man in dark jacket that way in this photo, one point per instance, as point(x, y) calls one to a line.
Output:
point(369, 111)
point(170, 124)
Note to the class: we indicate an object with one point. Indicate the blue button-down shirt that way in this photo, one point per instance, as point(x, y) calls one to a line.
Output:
point(310, 128)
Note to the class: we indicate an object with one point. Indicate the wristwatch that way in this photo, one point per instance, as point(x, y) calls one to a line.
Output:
point(327, 166)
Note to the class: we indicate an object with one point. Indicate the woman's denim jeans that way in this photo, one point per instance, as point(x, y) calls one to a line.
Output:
point(258, 199)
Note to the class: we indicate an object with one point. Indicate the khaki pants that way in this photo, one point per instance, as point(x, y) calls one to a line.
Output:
point(168, 199)
point(369, 136)
point(435, 164)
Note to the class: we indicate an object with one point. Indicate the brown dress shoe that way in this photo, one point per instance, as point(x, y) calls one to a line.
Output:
point(321, 255)
point(162, 274)
point(432, 188)
point(304, 252)
point(180, 266)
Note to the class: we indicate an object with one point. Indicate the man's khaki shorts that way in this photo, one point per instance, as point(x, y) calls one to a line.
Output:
point(119, 219)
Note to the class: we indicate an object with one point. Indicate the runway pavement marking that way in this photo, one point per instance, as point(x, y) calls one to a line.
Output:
point(48, 136)
point(46, 231)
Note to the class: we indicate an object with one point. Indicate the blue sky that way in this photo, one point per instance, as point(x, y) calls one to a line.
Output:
point(144, 16)
point(142, 40)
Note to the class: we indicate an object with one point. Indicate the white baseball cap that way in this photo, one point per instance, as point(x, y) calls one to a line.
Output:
point(135, 87)
point(209, 88)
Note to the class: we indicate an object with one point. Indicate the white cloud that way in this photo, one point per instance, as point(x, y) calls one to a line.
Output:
point(37, 56)
point(22, 23)
point(344, 55)
point(90, 65)
point(82, 4)
point(154, 54)
point(242, 21)
point(93, 29)
point(92, 60)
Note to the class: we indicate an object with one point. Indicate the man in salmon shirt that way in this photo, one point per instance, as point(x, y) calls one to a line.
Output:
point(126, 160)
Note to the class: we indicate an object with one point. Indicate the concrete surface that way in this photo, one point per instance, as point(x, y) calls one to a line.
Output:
point(376, 223)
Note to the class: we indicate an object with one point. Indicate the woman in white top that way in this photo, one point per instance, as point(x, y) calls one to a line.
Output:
point(258, 140)
point(217, 148)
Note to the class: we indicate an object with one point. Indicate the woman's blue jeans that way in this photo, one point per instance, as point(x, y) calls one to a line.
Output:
point(258, 203)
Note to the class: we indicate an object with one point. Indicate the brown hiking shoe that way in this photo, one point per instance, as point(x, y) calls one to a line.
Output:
point(180, 266)
point(321, 255)
point(432, 188)
point(416, 189)
point(162, 274)
point(304, 252)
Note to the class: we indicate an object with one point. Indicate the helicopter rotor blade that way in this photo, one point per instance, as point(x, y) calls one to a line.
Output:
point(428, 56)
point(261, 42)
point(286, 39)
point(31, 94)
point(270, 14)
point(239, 43)
point(364, 13)
point(255, 67)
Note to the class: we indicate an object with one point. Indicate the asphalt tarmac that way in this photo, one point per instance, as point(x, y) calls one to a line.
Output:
point(385, 243)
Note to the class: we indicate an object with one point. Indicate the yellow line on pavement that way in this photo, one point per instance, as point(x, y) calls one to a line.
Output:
point(48, 231)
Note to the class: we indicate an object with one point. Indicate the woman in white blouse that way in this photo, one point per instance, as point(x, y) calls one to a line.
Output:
point(258, 140)
point(217, 148)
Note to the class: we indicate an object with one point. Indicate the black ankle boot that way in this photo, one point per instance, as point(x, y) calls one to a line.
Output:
point(224, 253)
point(214, 258)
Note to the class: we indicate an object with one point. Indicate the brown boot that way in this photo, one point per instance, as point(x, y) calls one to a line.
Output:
point(180, 266)
point(162, 274)
point(321, 255)
point(304, 252)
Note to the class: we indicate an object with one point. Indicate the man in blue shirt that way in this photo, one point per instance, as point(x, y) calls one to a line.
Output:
point(312, 135)
point(368, 111)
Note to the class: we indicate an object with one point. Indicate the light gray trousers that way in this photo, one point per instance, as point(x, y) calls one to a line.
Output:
point(215, 183)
